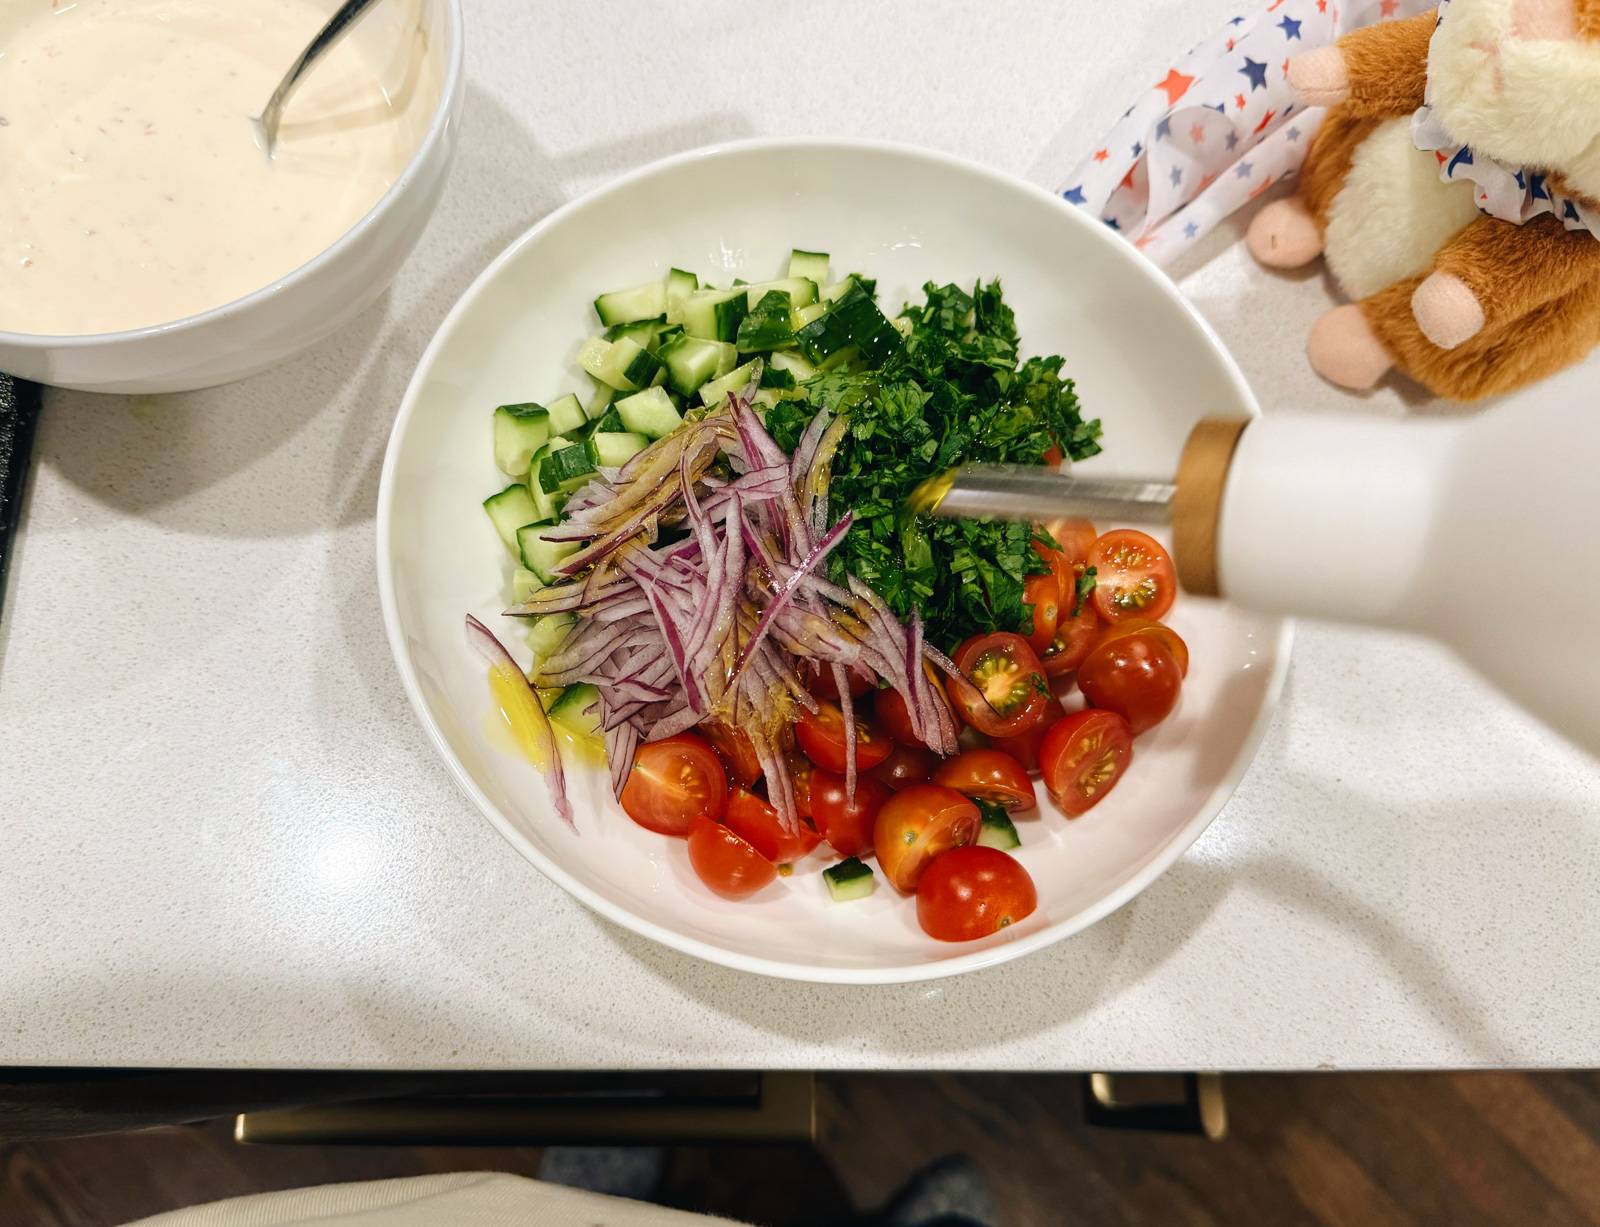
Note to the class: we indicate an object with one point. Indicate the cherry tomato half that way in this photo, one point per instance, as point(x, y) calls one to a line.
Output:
point(674, 781)
point(1133, 575)
point(970, 893)
point(906, 765)
point(1053, 455)
point(1004, 671)
point(1135, 676)
point(988, 775)
point(1025, 746)
point(1076, 634)
point(800, 773)
point(819, 681)
point(734, 749)
point(822, 738)
point(847, 826)
point(1083, 757)
point(1042, 593)
point(757, 822)
point(915, 825)
point(890, 709)
point(727, 863)
point(1159, 630)
point(1076, 538)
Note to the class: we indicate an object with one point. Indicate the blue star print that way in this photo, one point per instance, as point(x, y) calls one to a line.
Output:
point(1232, 140)
point(1290, 28)
point(1570, 211)
point(1237, 21)
point(1243, 170)
point(1463, 158)
point(1220, 108)
point(1164, 128)
point(1190, 230)
point(1522, 181)
point(1112, 222)
point(1293, 134)
point(1177, 176)
point(1073, 195)
point(1137, 148)
point(1536, 186)
point(1256, 72)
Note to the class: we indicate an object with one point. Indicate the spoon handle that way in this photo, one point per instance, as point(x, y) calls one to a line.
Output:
point(338, 25)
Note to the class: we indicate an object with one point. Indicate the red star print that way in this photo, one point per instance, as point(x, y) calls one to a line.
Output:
point(1176, 85)
point(1286, 68)
point(1322, 6)
point(1205, 183)
point(1231, 44)
point(1439, 156)
point(1100, 155)
point(1127, 179)
point(1197, 134)
point(1238, 101)
point(1258, 190)
point(1274, 6)
point(1265, 120)
point(1144, 240)
point(1389, 7)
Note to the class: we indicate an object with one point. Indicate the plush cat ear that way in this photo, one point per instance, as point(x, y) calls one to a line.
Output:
point(1588, 14)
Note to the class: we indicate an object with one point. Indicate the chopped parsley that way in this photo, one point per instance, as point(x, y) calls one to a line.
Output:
point(954, 391)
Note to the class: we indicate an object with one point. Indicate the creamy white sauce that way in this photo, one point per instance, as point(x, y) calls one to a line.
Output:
point(132, 188)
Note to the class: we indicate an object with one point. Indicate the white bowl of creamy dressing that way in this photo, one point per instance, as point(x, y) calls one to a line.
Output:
point(147, 243)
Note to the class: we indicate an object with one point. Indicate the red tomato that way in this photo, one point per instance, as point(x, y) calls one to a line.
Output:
point(906, 765)
point(1003, 671)
point(1075, 636)
point(734, 749)
point(1060, 566)
point(988, 775)
point(847, 826)
point(1076, 538)
point(821, 736)
point(890, 709)
point(725, 862)
point(1053, 456)
point(800, 773)
point(1043, 594)
point(819, 681)
point(757, 822)
point(1025, 747)
point(1135, 676)
point(1133, 575)
point(1160, 631)
point(1083, 757)
point(672, 782)
point(915, 825)
point(970, 893)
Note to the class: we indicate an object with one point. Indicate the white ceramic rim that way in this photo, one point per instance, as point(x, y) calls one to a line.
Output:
point(455, 62)
point(989, 957)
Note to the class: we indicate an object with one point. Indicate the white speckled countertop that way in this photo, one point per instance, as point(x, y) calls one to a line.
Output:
point(227, 843)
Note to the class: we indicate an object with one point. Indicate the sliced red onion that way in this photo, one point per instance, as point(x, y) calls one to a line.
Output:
point(492, 650)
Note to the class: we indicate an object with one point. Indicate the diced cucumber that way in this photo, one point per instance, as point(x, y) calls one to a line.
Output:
point(548, 633)
point(649, 413)
point(643, 333)
point(609, 422)
point(613, 450)
point(766, 398)
point(812, 265)
point(794, 364)
point(849, 879)
point(714, 315)
point(851, 320)
point(541, 556)
point(802, 291)
point(577, 709)
point(836, 291)
point(623, 364)
point(545, 502)
point(767, 325)
point(510, 510)
point(600, 401)
point(690, 361)
point(805, 315)
point(713, 394)
point(519, 431)
point(997, 831)
point(524, 583)
point(566, 415)
point(564, 471)
point(679, 286)
point(642, 302)
point(776, 378)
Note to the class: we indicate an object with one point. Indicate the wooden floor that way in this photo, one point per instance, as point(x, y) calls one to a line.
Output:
point(1458, 1150)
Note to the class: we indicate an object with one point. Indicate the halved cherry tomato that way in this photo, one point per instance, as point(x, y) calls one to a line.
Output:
point(727, 863)
point(1076, 538)
point(970, 893)
point(672, 782)
point(847, 826)
point(1083, 757)
point(800, 773)
point(891, 712)
point(1025, 746)
point(915, 825)
point(819, 681)
point(734, 749)
point(753, 819)
point(1060, 566)
point(1042, 593)
point(1135, 676)
point(1158, 630)
point(906, 765)
point(1076, 634)
point(1004, 671)
point(1053, 455)
point(988, 775)
point(822, 738)
point(1133, 575)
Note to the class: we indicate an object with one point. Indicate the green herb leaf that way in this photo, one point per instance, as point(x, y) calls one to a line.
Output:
point(1082, 590)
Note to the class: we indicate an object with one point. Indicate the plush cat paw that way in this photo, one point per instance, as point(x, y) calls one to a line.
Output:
point(1319, 78)
point(1344, 350)
point(1447, 311)
point(1284, 235)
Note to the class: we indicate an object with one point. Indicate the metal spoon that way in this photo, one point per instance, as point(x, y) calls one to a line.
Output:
point(338, 25)
point(1023, 492)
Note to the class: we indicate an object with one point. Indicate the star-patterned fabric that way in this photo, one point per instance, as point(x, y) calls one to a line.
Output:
point(1219, 129)
point(1511, 193)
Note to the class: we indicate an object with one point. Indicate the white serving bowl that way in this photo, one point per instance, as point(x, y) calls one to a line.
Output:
point(305, 305)
point(1143, 360)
